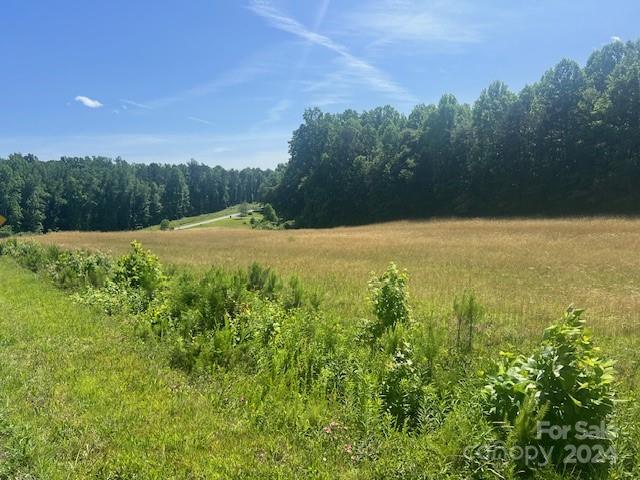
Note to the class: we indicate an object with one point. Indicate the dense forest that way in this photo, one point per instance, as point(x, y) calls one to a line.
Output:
point(101, 194)
point(568, 144)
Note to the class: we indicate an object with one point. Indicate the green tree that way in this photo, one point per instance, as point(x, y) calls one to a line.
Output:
point(269, 213)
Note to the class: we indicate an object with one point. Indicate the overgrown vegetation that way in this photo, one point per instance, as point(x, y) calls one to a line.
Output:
point(565, 383)
point(270, 220)
point(386, 396)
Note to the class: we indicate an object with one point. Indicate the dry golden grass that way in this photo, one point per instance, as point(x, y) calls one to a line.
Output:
point(524, 271)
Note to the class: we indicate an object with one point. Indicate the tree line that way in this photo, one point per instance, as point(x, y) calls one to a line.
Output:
point(567, 144)
point(96, 193)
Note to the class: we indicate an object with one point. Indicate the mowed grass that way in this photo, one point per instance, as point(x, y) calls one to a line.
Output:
point(82, 397)
point(526, 272)
point(236, 222)
point(202, 218)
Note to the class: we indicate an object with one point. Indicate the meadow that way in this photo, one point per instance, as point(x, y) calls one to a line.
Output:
point(206, 373)
point(525, 271)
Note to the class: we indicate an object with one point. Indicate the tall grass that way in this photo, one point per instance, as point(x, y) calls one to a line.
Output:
point(525, 271)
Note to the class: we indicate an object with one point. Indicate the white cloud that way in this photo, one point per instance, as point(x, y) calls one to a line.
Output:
point(420, 22)
point(370, 75)
point(616, 39)
point(88, 102)
point(322, 12)
point(333, 88)
point(131, 103)
point(200, 120)
point(221, 149)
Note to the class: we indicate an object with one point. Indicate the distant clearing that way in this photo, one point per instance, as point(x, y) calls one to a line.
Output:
point(207, 217)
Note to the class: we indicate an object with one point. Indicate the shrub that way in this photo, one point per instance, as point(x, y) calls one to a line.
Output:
point(165, 224)
point(301, 352)
point(389, 296)
point(257, 277)
point(140, 269)
point(269, 213)
point(410, 352)
point(6, 231)
point(264, 281)
point(76, 269)
point(28, 254)
point(564, 383)
point(402, 388)
point(294, 297)
point(112, 299)
point(220, 296)
point(468, 313)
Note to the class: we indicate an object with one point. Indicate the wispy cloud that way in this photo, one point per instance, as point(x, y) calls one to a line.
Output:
point(221, 149)
point(200, 120)
point(88, 102)
point(235, 76)
point(322, 12)
point(419, 22)
point(131, 103)
point(274, 114)
point(333, 88)
point(369, 74)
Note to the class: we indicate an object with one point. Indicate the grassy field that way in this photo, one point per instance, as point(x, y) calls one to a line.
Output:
point(524, 271)
point(94, 396)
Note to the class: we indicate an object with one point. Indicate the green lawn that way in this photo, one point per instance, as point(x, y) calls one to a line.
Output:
point(204, 217)
point(81, 397)
point(239, 222)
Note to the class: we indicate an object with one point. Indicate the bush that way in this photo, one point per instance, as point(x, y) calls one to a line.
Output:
point(140, 269)
point(257, 277)
point(165, 224)
point(6, 231)
point(75, 269)
point(389, 297)
point(269, 213)
point(402, 388)
point(262, 279)
point(468, 313)
point(220, 296)
point(564, 383)
point(294, 297)
point(30, 255)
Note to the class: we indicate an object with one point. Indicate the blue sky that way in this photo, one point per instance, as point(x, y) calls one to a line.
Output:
point(226, 81)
